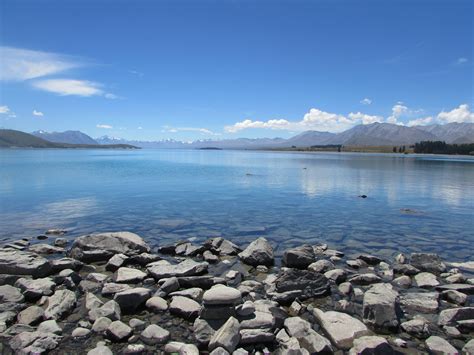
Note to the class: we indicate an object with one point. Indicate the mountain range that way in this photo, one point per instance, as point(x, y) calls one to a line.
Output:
point(375, 134)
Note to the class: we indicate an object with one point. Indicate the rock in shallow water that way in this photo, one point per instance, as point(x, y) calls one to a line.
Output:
point(300, 257)
point(306, 283)
point(427, 262)
point(16, 262)
point(380, 308)
point(259, 252)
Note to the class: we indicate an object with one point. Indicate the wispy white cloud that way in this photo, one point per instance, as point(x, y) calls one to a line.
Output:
point(136, 72)
point(67, 87)
point(4, 109)
point(461, 61)
point(203, 131)
point(366, 101)
point(104, 126)
point(38, 113)
point(139, 127)
point(24, 64)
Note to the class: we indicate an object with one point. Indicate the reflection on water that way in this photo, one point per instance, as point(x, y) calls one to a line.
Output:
point(414, 203)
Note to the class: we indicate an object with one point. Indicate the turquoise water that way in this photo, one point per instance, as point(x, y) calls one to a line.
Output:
point(415, 203)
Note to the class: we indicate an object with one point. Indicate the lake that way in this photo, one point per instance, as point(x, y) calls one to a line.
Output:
point(414, 203)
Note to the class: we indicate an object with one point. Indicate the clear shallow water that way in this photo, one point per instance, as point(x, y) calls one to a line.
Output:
point(291, 198)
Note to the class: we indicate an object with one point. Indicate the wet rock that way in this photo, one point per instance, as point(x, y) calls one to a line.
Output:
point(132, 299)
point(187, 267)
point(356, 264)
point(402, 281)
point(35, 289)
point(417, 327)
point(46, 249)
point(438, 346)
point(111, 288)
point(307, 284)
point(184, 307)
point(116, 261)
point(154, 334)
point(61, 303)
point(157, 304)
point(336, 275)
point(227, 337)
point(340, 327)
point(129, 275)
point(102, 246)
point(464, 288)
point(143, 259)
point(371, 345)
point(222, 295)
point(118, 331)
point(426, 280)
point(308, 339)
point(80, 332)
point(259, 252)
point(380, 308)
point(60, 242)
point(222, 246)
point(203, 282)
point(101, 325)
point(50, 326)
point(110, 309)
point(31, 315)
point(321, 266)
point(454, 296)
point(23, 263)
point(100, 350)
point(369, 259)
point(405, 269)
point(345, 288)
point(34, 342)
point(427, 262)
point(452, 315)
point(58, 265)
point(209, 257)
point(424, 302)
point(365, 279)
point(300, 257)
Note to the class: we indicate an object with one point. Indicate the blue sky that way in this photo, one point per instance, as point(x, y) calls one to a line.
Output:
point(222, 69)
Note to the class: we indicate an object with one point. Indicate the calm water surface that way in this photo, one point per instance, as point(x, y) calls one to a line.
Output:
point(415, 203)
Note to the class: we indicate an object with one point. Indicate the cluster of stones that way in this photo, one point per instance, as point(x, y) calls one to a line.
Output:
point(110, 294)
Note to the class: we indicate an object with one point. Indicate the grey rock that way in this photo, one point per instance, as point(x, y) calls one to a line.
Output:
point(221, 246)
point(23, 263)
point(452, 315)
point(34, 342)
point(402, 281)
point(60, 242)
point(300, 257)
point(227, 337)
point(92, 301)
point(405, 269)
point(336, 275)
point(111, 288)
point(255, 336)
point(61, 303)
point(438, 346)
point(58, 265)
point(10, 298)
point(454, 296)
point(464, 288)
point(308, 339)
point(80, 332)
point(46, 249)
point(345, 288)
point(31, 315)
point(371, 345)
point(209, 257)
point(187, 267)
point(427, 262)
point(134, 349)
point(380, 308)
point(222, 295)
point(49, 326)
point(6, 318)
point(170, 285)
point(118, 331)
point(203, 331)
point(116, 261)
point(35, 289)
point(341, 328)
point(102, 246)
point(369, 259)
point(154, 334)
point(424, 302)
point(157, 304)
point(110, 309)
point(365, 279)
point(417, 327)
point(136, 324)
point(468, 349)
point(132, 299)
point(322, 265)
point(194, 293)
point(426, 280)
point(177, 347)
point(184, 307)
point(100, 350)
point(259, 252)
point(101, 325)
point(129, 275)
point(307, 283)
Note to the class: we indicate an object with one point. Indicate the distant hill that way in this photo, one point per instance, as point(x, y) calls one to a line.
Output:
point(10, 138)
point(71, 137)
point(454, 132)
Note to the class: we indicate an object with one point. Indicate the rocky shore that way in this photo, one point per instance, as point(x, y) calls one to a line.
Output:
point(112, 293)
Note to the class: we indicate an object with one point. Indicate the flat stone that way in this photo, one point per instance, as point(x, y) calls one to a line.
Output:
point(452, 315)
point(438, 346)
point(187, 267)
point(308, 339)
point(309, 284)
point(132, 299)
point(58, 265)
point(31, 315)
point(222, 295)
point(227, 337)
point(465, 288)
point(424, 302)
point(111, 288)
point(129, 275)
point(46, 249)
point(102, 246)
point(365, 279)
point(10, 296)
point(371, 345)
point(16, 262)
point(380, 308)
point(154, 334)
point(321, 266)
point(184, 307)
point(300, 257)
point(194, 293)
point(369, 259)
point(116, 261)
point(222, 246)
point(427, 262)
point(118, 331)
point(454, 296)
point(61, 303)
point(259, 252)
point(35, 289)
point(110, 309)
point(49, 326)
point(255, 336)
point(157, 304)
point(34, 342)
point(426, 280)
point(340, 327)
point(468, 265)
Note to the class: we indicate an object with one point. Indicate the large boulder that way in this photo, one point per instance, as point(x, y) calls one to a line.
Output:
point(305, 283)
point(15, 262)
point(34, 342)
point(381, 308)
point(453, 315)
point(427, 262)
point(340, 327)
point(102, 246)
point(300, 257)
point(259, 252)
point(439, 346)
point(35, 289)
point(424, 302)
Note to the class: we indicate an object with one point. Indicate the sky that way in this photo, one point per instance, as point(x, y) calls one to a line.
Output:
point(202, 69)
